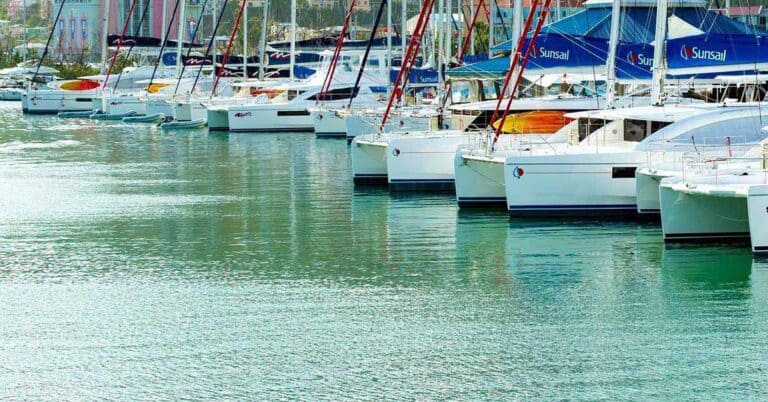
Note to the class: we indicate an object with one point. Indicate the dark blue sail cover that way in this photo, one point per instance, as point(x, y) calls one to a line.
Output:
point(418, 76)
point(634, 61)
point(555, 50)
point(579, 43)
point(717, 52)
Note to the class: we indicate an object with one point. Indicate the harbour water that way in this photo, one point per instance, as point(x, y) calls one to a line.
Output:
point(137, 264)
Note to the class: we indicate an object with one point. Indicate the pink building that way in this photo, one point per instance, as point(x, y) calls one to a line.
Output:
point(80, 26)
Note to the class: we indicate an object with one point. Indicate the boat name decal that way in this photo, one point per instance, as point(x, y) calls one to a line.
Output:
point(639, 59)
point(551, 54)
point(243, 114)
point(694, 53)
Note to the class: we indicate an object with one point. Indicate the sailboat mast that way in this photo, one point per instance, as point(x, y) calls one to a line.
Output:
point(26, 40)
point(517, 19)
point(403, 27)
point(293, 39)
point(448, 32)
point(245, 42)
point(657, 80)
point(389, 37)
point(610, 62)
point(165, 17)
point(440, 35)
point(212, 43)
point(491, 27)
point(180, 37)
point(263, 39)
point(105, 36)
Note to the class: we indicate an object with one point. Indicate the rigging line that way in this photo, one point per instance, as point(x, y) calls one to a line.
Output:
point(336, 53)
point(119, 43)
point(189, 49)
point(542, 17)
point(165, 42)
point(501, 19)
point(229, 48)
point(514, 58)
point(48, 42)
point(136, 34)
point(384, 3)
point(210, 45)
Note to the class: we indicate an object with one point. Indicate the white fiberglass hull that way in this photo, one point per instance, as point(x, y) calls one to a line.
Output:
point(697, 216)
point(125, 104)
point(218, 118)
point(189, 111)
point(423, 161)
point(726, 207)
point(479, 180)
point(330, 123)
point(647, 183)
point(363, 124)
point(572, 184)
point(55, 101)
point(369, 160)
point(11, 94)
point(159, 105)
point(270, 118)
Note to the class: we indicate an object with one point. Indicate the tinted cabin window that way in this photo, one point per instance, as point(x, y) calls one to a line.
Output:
point(638, 130)
point(587, 126)
point(336, 94)
point(635, 130)
point(623, 172)
point(658, 125)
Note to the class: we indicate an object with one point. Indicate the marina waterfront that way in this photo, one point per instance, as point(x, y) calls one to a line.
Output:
point(138, 264)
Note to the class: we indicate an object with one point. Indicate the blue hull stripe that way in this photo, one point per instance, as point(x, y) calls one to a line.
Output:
point(447, 181)
point(482, 199)
point(570, 207)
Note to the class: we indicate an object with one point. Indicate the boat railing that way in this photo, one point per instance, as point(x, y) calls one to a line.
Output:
point(666, 154)
point(715, 165)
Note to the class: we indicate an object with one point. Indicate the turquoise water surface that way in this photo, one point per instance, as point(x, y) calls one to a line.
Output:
point(136, 264)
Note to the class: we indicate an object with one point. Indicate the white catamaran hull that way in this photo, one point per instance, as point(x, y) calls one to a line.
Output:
point(330, 123)
point(369, 160)
point(55, 101)
point(697, 216)
point(159, 105)
point(729, 207)
point(189, 111)
point(479, 180)
point(363, 124)
point(411, 169)
point(270, 118)
point(218, 118)
point(125, 104)
point(572, 184)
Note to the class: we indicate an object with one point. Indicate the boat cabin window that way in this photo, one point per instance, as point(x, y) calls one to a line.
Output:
point(461, 92)
point(292, 93)
point(487, 91)
point(336, 94)
point(658, 125)
point(638, 130)
point(587, 126)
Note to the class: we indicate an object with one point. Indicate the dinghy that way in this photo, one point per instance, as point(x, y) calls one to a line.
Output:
point(183, 125)
point(154, 118)
point(77, 115)
point(110, 116)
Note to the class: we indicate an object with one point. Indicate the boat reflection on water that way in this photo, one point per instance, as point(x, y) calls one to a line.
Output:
point(725, 267)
